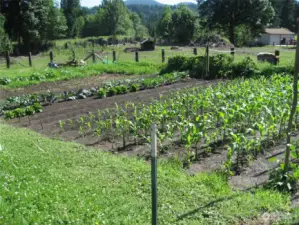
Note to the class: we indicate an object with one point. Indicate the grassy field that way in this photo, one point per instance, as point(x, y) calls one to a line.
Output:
point(40, 62)
point(51, 182)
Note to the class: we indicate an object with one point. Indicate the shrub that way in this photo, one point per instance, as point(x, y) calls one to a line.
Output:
point(245, 68)
point(101, 93)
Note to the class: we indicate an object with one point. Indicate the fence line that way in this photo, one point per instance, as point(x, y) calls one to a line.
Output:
point(138, 56)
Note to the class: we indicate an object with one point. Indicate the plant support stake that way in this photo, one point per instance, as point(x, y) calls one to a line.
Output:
point(293, 107)
point(154, 175)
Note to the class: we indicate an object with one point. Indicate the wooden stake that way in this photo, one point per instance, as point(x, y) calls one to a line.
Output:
point(137, 56)
point(114, 56)
point(195, 51)
point(51, 56)
point(7, 59)
point(163, 55)
point(207, 61)
point(30, 59)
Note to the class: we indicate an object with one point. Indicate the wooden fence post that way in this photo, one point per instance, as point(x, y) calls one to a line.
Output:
point(137, 56)
point(232, 51)
point(154, 176)
point(93, 56)
point(163, 55)
point(207, 61)
point(114, 56)
point(195, 51)
point(51, 56)
point(277, 53)
point(7, 60)
point(30, 59)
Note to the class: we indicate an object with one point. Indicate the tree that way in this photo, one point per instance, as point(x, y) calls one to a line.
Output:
point(114, 18)
point(56, 24)
point(255, 14)
point(183, 24)
point(5, 44)
point(140, 31)
point(165, 24)
point(72, 12)
point(287, 15)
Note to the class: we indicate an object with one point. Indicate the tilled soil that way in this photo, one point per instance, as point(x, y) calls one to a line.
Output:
point(47, 122)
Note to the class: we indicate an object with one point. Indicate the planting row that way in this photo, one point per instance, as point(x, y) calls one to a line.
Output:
point(106, 90)
point(77, 72)
point(247, 115)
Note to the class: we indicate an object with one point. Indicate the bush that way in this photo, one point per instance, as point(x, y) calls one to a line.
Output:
point(221, 66)
point(245, 68)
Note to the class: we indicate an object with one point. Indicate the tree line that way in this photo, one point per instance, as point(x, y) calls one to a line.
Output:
point(32, 24)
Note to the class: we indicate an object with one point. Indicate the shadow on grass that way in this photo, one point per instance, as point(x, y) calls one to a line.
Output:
point(212, 203)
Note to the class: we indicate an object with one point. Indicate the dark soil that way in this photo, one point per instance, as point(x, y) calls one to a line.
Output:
point(47, 122)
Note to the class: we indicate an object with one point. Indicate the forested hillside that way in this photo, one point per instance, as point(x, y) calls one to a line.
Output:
point(31, 25)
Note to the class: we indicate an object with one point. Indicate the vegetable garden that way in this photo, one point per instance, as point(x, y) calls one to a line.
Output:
point(247, 116)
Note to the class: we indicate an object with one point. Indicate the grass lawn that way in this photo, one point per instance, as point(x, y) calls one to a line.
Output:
point(47, 181)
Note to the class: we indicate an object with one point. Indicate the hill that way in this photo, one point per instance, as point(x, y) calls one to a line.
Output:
point(152, 2)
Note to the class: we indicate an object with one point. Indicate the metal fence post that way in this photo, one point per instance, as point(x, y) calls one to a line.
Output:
point(154, 176)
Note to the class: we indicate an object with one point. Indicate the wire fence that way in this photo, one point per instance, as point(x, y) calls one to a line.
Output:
point(42, 60)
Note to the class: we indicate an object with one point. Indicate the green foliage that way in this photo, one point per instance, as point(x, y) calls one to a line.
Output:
point(111, 91)
point(178, 25)
point(254, 14)
point(134, 88)
point(244, 68)
point(101, 93)
point(5, 44)
point(86, 182)
point(183, 24)
point(72, 13)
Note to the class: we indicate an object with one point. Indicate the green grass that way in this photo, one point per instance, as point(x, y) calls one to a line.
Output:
point(68, 73)
point(149, 61)
point(47, 181)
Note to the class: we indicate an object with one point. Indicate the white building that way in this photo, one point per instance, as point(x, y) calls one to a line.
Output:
point(276, 36)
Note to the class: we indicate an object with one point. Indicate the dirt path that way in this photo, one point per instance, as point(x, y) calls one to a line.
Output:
point(65, 85)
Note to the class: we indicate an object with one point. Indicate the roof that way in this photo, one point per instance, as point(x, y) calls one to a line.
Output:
point(278, 31)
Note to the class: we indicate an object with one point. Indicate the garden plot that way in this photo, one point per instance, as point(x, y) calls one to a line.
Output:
point(232, 123)
point(47, 122)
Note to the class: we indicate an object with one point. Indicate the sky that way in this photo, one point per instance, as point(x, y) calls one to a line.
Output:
point(91, 3)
